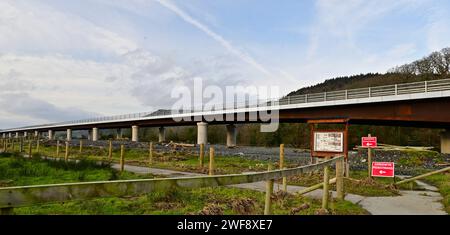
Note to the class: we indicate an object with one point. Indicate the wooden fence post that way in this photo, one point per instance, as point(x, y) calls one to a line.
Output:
point(211, 161)
point(326, 186)
point(21, 144)
point(340, 179)
point(66, 156)
point(81, 146)
point(12, 145)
point(282, 166)
point(269, 191)
point(202, 154)
point(110, 150)
point(150, 153)
point(57, 149)
point(122, 158)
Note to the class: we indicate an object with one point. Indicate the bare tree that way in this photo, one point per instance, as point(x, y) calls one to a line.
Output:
point(423, 66)
point(446, 55)
point(407, 69)
point(438, 63)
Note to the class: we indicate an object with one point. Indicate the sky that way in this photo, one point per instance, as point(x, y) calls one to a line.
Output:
point(65, 60)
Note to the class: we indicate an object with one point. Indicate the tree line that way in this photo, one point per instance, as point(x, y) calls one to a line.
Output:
point(437, 62)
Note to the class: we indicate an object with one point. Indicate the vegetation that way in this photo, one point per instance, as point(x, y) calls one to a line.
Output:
point(18, 171)
point(442, 182)
point(359, 184)
point(166, 160)
point(206, 201)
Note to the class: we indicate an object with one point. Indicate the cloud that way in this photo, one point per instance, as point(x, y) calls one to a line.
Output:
point(26, 107)
point(438, 29)
point(35, 28)
point(226, 44)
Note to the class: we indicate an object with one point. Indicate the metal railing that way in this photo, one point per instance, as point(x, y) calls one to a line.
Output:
point(359, 93)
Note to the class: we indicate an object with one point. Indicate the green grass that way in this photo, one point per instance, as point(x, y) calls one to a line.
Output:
point(417, 158)
point(442, 182)
point(217, 200)
point(18, 171)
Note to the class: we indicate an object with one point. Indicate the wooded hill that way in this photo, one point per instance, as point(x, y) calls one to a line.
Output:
point(432, 67)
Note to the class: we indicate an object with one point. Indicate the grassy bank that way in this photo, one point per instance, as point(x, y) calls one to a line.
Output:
point(442, 182)
point(17, 171)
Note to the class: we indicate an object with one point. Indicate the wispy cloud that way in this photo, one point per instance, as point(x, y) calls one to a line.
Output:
point(225, 43)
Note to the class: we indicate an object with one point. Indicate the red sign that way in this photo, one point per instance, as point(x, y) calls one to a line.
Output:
point(369, 142)
point(383, 169)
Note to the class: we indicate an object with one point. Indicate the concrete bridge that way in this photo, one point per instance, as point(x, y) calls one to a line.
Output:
point(420, 104)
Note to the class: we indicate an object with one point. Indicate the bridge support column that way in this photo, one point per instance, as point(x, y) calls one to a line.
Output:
point(94, 134)
point(25, 134)
point(10, 135)
point(36, 133)
point(445, 141)
point(202, 133)
point(135, 133)
point(119, 133)
point(50, 134)
point(4, 135)
point(162, 134)
point(17, 134)
point(69, 135)
point(231, 135)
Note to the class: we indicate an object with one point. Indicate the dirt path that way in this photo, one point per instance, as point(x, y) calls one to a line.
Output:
point(425, 202)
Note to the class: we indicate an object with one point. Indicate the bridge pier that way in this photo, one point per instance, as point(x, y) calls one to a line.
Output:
point(50, 134)
point(162, 134)
point(445, 141)
point(69, 134)
point(94, 134)
point(25, 134)
point(3, 135)
point(202, 133)
point(231, 135)
point(10, 135)
point(17, 135)
point(119, 133)
point(36, 133)
point(135, 133)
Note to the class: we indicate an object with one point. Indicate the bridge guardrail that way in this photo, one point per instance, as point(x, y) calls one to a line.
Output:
point(358, 93)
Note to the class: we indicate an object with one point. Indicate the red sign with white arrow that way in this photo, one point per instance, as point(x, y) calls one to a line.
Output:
point(383, 169)
point(369, 142)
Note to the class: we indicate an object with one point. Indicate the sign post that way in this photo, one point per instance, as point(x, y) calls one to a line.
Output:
point(369, 142)
point(383, 169)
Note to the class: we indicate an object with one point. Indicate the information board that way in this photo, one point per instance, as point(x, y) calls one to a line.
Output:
point(329, 141)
